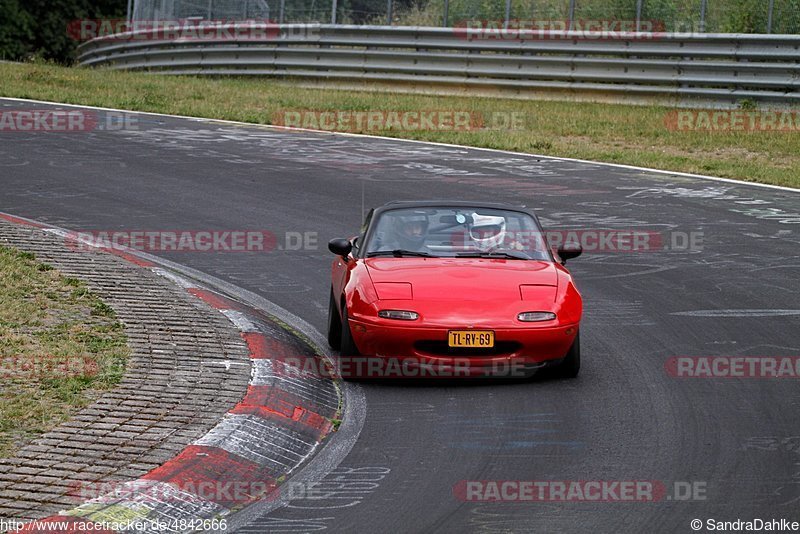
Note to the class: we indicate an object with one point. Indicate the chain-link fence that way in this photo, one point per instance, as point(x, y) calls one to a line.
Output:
point(711, 16)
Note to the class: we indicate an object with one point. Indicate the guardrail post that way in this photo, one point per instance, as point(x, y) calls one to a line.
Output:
point(508, 14)
point(571, 15)
point(639, 15)
point(769, 15)
point(333, 11)
point(446, 13)
point(388, 12)
point(703, 5)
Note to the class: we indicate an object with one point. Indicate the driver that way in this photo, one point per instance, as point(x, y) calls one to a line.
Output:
point(409, 232)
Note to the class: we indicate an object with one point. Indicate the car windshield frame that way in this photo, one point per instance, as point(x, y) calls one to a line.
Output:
point(365, 252)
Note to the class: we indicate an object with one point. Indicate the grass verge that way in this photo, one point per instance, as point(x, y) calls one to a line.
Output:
point(633, 135)
point(60, 347)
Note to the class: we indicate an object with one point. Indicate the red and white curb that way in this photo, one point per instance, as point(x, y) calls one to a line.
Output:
point(273, 430)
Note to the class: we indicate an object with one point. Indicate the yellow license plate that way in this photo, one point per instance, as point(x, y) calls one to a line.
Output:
point(472, 339)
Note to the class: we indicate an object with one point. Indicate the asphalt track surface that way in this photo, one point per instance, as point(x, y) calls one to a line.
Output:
point(624, 418)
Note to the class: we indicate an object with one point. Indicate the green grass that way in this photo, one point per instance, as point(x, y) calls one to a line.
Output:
point(633, 135)
point(60, 347)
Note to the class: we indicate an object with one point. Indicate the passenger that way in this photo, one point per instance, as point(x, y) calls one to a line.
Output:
point(488, 232)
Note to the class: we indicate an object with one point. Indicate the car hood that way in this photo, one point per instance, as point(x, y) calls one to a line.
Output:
point(465, 279)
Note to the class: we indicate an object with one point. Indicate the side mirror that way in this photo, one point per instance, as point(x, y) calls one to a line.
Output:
point(340, 246)
point(568, 252)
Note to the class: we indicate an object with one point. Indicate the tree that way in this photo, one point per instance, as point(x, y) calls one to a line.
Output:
point(16, 30)
point(39, 27)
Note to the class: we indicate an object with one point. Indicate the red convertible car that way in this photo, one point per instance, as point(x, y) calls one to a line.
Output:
point(452, 289)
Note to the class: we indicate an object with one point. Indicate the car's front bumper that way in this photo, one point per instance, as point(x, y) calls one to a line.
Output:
point(388, 349)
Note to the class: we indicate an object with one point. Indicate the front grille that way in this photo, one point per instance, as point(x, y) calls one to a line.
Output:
point(440, 348)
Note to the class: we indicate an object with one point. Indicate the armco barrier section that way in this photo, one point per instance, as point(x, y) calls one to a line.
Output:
point(724, 69)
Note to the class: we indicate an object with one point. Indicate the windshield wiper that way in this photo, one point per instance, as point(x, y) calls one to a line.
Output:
point(501, 255)
point(399, 253)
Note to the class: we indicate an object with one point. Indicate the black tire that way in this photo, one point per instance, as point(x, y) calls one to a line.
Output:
point(348, 346)
point(334, 324)
point(570, 366)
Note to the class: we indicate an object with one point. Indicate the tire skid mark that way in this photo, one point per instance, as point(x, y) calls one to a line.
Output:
point(241, 321)
point(304, 387)
point(342, 488)
point(261, 441)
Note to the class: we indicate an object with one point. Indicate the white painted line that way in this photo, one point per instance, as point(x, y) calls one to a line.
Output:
point(432, 143)
point(260, 441)
point(76, 238)
point(226, 363)
point(151, 500)
point(264, 374)
point(240, 320)
point(57, 231)
point(181, 281)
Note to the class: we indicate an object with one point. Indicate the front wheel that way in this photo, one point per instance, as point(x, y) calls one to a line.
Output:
point(570, 366)
point(334, 324)
point(348, 346)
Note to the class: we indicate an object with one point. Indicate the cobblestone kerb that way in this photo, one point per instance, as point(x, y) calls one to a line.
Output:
point(178, 384)
point(237, 357)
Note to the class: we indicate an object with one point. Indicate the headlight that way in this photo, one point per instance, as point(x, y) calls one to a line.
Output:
point(535, 317)
point(401, 315)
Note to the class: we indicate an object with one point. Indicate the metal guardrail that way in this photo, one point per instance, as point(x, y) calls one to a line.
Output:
point(697, 69)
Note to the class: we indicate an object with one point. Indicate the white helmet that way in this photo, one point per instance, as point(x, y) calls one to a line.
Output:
point(487, 231)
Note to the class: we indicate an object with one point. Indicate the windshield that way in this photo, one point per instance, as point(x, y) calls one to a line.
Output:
point(457, 232)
